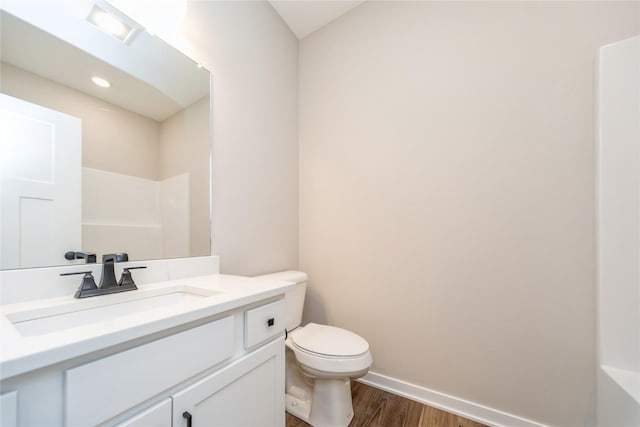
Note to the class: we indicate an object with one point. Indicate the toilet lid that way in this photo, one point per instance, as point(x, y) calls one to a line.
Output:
point(329, 340)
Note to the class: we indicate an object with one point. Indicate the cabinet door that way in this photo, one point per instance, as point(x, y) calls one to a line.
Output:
point(249, 392)
point(157, 416)
point(9, 409)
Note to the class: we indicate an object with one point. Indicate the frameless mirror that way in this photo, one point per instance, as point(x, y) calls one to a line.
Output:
point(124, 168)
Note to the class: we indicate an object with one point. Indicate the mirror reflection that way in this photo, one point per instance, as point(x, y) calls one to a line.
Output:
point(119, 165)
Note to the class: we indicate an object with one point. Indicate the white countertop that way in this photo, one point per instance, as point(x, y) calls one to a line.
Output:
point(20, 354)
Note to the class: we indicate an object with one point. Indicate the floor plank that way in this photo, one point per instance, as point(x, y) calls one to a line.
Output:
point(294, 422)
point(376, 408)
point(463, 422)
point(432, 417)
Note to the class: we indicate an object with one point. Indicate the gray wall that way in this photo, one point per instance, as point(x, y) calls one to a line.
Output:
point(253, 57)
point(447, 194)
point(185, 145)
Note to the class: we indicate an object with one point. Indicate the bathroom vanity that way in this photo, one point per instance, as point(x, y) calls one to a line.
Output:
point(200, 351)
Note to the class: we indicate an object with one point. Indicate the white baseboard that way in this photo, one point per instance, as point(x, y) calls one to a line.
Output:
point(454, 405)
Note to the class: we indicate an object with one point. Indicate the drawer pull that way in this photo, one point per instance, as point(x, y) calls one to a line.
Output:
point(187, 416)
point(271, 322)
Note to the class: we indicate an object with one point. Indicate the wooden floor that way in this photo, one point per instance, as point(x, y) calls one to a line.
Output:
point(377, 408)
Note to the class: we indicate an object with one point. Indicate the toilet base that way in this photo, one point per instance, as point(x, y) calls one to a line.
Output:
point(328, 405)
point(298, 408)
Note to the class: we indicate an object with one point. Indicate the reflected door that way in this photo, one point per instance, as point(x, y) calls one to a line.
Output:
point(40, 184)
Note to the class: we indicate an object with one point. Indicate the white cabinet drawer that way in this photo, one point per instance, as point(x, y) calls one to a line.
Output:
point(262, 323)
point(102, 389)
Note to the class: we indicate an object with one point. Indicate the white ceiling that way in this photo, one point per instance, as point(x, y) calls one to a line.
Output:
point(306, 16)
point(142, 72)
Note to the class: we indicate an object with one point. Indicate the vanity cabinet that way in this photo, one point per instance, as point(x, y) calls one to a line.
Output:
point(242, 394)
point(158, 415)
point(97, 390)
point(9, 409)
point(226, 371)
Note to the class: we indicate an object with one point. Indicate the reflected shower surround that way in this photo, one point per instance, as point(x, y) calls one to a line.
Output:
point(151, 217)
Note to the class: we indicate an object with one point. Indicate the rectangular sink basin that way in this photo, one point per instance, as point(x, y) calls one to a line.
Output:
point(71, 314)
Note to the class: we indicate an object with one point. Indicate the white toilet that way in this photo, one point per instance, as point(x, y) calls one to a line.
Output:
point(320, 361)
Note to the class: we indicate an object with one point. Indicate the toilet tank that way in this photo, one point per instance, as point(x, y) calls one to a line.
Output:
point(294, 297)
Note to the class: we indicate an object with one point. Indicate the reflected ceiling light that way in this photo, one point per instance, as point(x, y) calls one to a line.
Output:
point(100, 81)
point(110, 23)
point(159, 17)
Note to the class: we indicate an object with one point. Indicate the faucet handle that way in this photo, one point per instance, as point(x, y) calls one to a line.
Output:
point(88, 286)
point(90, 257)
point(126, 279)
point(122, 257)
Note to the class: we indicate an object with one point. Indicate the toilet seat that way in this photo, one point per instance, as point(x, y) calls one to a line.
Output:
point(329, 350)
point(329, 341)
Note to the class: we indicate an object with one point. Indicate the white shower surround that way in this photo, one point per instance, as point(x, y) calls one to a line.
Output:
point(619, 234)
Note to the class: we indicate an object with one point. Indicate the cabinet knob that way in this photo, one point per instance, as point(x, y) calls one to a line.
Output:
point(187, 416)
point(271, 322)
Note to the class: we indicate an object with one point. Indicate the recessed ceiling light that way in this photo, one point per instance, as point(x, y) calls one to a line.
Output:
point(100, 81)
point(110, 23)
